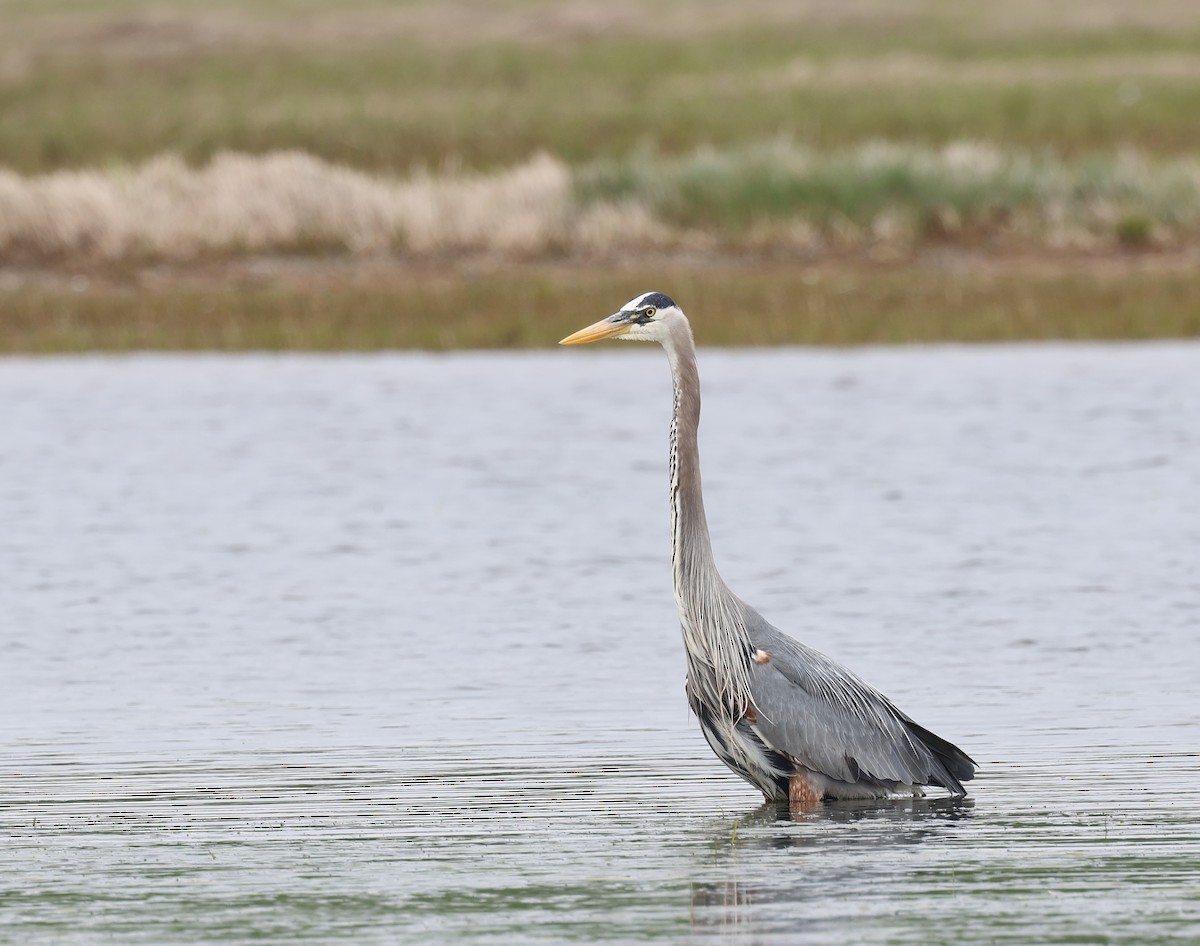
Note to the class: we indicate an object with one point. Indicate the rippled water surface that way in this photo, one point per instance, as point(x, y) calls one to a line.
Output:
point(383, 649)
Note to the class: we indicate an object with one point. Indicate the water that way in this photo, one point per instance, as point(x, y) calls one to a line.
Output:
point(383, 649)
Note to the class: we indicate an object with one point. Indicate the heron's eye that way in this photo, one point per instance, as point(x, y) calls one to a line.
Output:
point(648, 311)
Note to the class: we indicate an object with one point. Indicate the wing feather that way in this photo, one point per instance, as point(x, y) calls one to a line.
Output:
point(827, 719)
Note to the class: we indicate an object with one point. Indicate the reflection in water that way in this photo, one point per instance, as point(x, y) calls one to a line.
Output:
point(901, 810)
point(803, 874)
point(382, 650)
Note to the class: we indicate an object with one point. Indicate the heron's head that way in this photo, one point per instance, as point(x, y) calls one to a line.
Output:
point(645, 318)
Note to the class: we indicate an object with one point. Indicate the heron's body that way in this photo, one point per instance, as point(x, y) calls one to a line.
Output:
point(783, 716)
point(814, 729)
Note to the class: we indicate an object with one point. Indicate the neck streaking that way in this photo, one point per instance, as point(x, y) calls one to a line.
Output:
point(714, 634)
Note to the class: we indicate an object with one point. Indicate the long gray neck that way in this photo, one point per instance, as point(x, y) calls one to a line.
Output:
point(691, 546)
point(714, 632)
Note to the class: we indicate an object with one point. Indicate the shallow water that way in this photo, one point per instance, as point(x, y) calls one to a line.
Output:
point(383, 649)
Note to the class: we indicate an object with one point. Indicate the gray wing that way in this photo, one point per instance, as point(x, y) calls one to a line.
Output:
point(828, 720)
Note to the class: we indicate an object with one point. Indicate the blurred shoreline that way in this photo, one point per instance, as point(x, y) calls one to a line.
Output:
point(330, 303)
point(436, 175)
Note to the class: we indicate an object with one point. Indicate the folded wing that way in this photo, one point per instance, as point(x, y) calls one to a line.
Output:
point(817, 713)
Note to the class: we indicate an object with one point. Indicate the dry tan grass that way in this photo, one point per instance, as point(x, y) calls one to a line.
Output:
point(142, 31)
point(907, 68)
point(139, 29)
point(879, 195)
point(246, 204)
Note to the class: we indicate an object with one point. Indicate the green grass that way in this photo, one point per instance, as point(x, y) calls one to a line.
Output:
point(400, 102)
point(731, 190)
point(965, 189)
point(684, 111)
point(729, 305)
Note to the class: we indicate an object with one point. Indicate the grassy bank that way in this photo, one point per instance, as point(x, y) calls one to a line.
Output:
point(447, 174)
point(394, 86)
point(301, 307)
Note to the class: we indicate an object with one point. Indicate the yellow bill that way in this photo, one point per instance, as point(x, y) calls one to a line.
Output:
point(605, 328)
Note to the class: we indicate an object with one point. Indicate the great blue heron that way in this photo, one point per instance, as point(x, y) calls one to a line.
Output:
point(783, 716)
